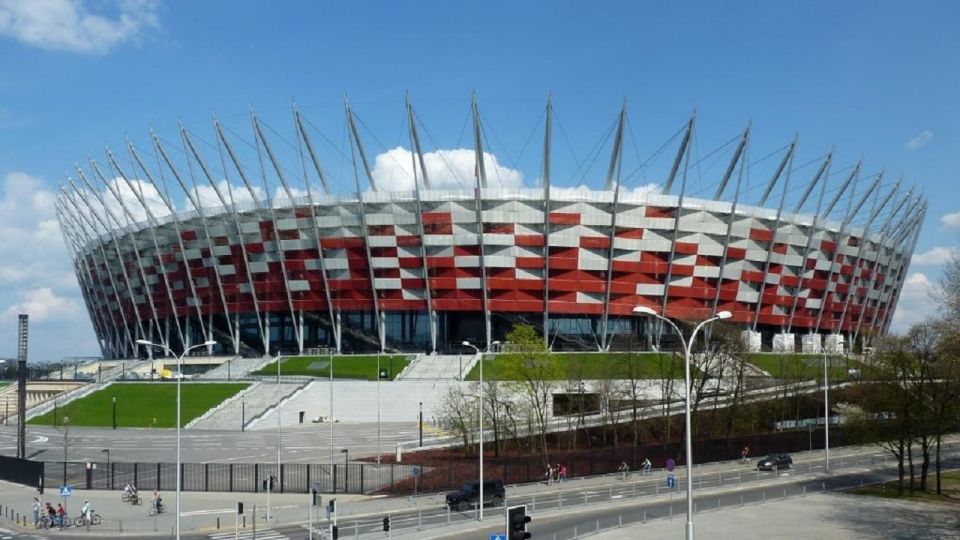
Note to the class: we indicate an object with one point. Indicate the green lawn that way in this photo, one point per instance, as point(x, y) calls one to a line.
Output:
point(805, 366)
point(587, 366)
point(950, 483)
point(344, 366)
point(141, 404)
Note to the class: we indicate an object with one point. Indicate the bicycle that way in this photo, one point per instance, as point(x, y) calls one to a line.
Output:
point(153, 510)
point(132, 498)
point(82, 521)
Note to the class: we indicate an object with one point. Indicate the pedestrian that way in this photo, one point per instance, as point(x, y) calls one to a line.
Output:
point(563, 472)
point(624, 470)
point(61, 512)
point(36, 512)
point(548, 474)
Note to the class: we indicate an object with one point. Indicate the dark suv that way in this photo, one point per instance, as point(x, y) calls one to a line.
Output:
point(775, 462)
point(469, 495)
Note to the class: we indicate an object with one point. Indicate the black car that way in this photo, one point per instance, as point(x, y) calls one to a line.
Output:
point(775, 462)
point(469, 495)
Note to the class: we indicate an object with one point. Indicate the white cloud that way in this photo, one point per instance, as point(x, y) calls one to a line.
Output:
point(393, 170)
point(71, 25)
point(916, 303)
point(42, 304)
point(935, 256)
point(237, 193)
point(920, 140)
point(950, 221)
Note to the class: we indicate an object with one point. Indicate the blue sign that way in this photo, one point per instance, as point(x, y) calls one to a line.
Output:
point(671, 481)
point(66, 491)
point(498, 536)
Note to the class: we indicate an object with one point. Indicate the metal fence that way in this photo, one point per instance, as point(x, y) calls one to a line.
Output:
point(22, 471)
point(228, 477)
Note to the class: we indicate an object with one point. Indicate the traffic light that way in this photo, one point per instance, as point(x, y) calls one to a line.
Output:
point(386, 524)
point(315, 498)
point(334, 532)
point(239, 507)
point(332, 506)
point(517, 520)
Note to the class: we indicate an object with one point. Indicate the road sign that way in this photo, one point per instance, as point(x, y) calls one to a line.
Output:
point(671, 481)
point(416, 470)
point(498, 536)
point(671, 464)
point(66, 491)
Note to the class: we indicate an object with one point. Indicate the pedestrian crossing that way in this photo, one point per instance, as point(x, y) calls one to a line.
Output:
point(247, 534)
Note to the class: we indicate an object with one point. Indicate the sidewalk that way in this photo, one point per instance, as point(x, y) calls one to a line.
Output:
point(204, 511)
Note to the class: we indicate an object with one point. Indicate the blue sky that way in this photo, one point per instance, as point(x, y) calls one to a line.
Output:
point(879, 79)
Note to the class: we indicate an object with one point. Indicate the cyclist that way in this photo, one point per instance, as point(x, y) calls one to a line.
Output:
point(51, 514)
point(646, 466)
point(86, 512)
point(624, 470)
point(61, 513)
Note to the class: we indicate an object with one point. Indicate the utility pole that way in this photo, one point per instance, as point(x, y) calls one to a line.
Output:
point(22, 335)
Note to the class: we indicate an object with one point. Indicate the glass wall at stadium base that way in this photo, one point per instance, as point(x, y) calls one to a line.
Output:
point(404, 331)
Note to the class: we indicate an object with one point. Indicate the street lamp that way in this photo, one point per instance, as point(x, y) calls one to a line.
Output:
point(421, 424)
point(468, 344)
point(643, 310)
point(114, 412)
point(826, 412)
point(186, 351)
point(346, 469)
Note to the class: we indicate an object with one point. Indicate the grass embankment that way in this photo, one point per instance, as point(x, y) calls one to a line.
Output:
point(586, 366)
point(808, 367)
point(141, 404)
point(950, 486)
point(362, 367)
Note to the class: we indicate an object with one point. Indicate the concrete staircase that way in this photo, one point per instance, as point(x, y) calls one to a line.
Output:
point(444, 367)
point(356, 401)
point(245, 407)
point(236, 368)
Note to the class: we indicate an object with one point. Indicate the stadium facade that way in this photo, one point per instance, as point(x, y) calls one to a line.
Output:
point(426, 268)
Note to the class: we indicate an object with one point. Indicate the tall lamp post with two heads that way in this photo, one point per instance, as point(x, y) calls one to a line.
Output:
point(688, 439)
point(472, 346)
point(179, 376)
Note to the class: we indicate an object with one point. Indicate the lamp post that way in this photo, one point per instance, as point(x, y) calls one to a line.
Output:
point(179, 377)
point(826, 412)
point(420, 423)
point(480, 422)
point(269, 484)
point(643, 310)
point(114, 412)
point(346, 469)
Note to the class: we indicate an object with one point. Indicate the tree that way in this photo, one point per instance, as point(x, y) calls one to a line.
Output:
point(534, 374)
point(459, 414)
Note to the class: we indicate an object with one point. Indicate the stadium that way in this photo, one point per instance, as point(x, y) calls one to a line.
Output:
point(184, 243)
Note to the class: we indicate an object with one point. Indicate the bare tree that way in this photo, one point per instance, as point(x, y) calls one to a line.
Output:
point(459, 414)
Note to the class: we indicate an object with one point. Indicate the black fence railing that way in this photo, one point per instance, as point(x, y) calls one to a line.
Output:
point(22, 471)
point(432, 475)
point(228, 477)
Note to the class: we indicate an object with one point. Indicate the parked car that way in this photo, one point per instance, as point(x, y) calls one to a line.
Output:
point(775, 462)
point(469, 495)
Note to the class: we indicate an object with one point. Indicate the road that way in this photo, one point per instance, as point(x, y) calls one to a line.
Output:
point(300, 444)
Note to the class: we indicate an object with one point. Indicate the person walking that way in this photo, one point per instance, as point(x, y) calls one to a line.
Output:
point(624, 470)
point(562, 475)
point(61, 514)
point(36, 512)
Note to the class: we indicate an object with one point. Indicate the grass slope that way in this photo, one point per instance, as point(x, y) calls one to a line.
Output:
point(344, 366)
point(589, 366)
point(950, 485)
point(141, 404)
point(807, 367)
